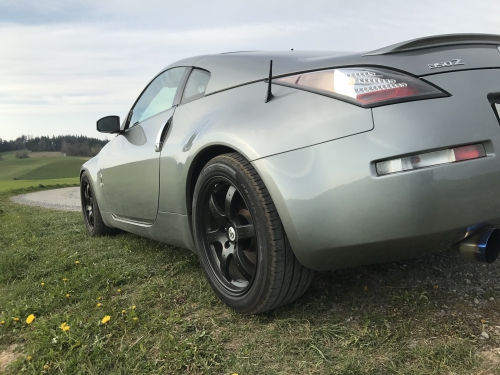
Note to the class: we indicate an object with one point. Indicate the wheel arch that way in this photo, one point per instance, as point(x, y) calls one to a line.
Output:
point(200, 160)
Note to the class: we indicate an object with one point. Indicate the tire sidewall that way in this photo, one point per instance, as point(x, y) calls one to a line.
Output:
point(252, 298)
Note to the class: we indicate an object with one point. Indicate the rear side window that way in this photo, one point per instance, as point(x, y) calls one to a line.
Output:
point(196, 85)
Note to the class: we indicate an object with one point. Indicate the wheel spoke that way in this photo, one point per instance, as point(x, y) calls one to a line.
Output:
point(215, 236)
point(225, 259)
point(230, 203)
point(245, 231)
point(244, 266)
point(212, 236)
point(217, 213)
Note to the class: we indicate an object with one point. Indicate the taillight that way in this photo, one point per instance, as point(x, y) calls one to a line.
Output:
point(429, 159)
point(367, 87)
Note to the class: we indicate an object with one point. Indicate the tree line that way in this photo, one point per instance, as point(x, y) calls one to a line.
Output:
point(71, 145)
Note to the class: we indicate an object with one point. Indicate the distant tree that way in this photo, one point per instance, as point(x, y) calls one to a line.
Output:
point(72, 145)
point(96, 149)
point(22, 154)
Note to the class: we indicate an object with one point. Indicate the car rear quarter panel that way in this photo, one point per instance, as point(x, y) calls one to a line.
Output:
point(239, 119)
point(337, 212)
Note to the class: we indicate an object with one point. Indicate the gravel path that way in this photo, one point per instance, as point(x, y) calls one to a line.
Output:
point(67, 199)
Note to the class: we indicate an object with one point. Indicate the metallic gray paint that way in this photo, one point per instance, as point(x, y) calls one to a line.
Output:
point(130, 165)
point(316, 156)
point(241, 120)
point(366, 218)
point(236, 69)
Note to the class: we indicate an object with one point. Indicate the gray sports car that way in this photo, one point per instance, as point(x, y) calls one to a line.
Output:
point(270, 165)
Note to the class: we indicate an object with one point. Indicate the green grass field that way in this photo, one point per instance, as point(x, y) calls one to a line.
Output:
point(40, 168)
point(129, 305)
point(6, 185)
point(35, 171)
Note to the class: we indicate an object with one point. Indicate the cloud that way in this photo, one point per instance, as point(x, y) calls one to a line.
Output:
point(81, 68)
point(66, 63)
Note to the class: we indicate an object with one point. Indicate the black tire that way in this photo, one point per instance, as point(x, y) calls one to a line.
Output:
point(243, 249)
point(90, 210)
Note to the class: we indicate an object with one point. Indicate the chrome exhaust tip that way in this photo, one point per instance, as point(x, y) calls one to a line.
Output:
point(482, 246)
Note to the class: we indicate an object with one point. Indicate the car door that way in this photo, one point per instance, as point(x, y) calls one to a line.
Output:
point(130, 174)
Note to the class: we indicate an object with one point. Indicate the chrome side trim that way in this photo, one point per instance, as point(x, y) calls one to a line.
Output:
point(130, 221)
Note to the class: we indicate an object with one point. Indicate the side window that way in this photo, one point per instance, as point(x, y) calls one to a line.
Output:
point(158, 96)
point(196, 85)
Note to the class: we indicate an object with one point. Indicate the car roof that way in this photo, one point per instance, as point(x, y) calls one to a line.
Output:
point(238, 68)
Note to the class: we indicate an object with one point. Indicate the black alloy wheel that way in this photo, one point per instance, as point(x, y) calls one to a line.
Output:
point(90, 209)
point(88, 203)
point(229, 235)
point(241, 243)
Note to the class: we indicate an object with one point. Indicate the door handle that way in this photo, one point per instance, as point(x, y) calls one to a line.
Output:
point(160, 138)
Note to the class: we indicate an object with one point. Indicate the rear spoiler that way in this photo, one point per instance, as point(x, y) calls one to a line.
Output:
point(437, 41)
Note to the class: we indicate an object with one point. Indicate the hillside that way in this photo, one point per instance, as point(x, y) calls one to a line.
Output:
point(38, 169)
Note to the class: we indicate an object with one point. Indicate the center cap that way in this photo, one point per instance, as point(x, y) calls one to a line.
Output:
point(232, 233)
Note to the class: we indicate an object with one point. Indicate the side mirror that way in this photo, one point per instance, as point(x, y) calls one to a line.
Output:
point(109, 124)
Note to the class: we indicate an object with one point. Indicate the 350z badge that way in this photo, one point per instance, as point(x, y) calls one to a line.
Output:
point(445, 64)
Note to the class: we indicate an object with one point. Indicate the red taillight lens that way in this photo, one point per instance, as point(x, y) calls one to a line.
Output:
point(468, 152)
point(388, 94)
point(366, 87)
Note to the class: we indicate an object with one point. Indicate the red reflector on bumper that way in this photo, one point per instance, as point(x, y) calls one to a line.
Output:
point(468, 152)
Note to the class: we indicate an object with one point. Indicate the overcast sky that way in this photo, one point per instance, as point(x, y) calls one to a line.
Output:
point(66, 63)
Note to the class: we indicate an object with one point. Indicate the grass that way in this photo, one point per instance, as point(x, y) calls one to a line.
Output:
point(6, 185)
point(42, 172)
point(39, 168)
point(164, 318)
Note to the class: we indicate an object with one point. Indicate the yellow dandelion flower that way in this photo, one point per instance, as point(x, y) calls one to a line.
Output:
point(436, 286)
point(29, 358)
point(99, 304)
point(45, 367)
point(106, 319)
point(2, 322)
point(15, 319)
point(30, 318)
point(68, 295)
point(99, 298)
point(133, 307)
point(135, 318)
point(123, 311)
point(42, 283)
point(64, 327)
point(65, 279)
point(119, 290)
point(77, 262)
point(483, 321)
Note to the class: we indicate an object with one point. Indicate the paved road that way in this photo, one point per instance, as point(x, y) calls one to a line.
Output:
point(67, 199)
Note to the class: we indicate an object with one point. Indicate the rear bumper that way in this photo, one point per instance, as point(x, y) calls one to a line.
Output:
point(337, 212)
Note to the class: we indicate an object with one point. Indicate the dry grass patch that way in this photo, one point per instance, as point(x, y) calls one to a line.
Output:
point(8, 356)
